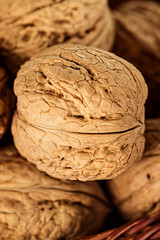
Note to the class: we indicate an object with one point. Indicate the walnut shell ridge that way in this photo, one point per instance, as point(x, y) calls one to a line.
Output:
point(138, 41)
point(136, 192)
point(32, 26)
point(80, 113)
point(6, 102)
point(36, 206)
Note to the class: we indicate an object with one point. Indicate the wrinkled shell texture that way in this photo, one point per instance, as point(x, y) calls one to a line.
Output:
point(138, 41)
point(136, 192)
point(36, 206)
point(6, 104)
point(27, 27)
point(80, 113)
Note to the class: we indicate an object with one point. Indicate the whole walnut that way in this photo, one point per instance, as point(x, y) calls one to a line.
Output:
point(138, 41)
point(6, 102)
point(136, 192)
point(36, 206)
point(80, 113)
point(27, 27)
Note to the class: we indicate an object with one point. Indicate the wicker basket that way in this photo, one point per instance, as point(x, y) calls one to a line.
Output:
point(145, 228)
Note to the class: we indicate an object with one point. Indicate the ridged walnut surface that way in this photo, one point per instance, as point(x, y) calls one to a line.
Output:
point(80, 113)
point(137, 191)
point(138, 41)
point(27, 27)
point(36, 206)
point(6, 102)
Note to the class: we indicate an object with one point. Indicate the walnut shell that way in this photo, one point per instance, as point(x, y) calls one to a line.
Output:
point(36, 206)
point(30, 26)
point(6, 102)
point(80, 113)
point(136, 192)
point(138, 41)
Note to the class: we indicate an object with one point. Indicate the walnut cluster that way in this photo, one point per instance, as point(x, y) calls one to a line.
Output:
point(80, 116)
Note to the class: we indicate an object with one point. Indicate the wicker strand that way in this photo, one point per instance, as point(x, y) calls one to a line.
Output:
point(145, 228)
point(148, 233)
point(156, 235)
point(143, 223)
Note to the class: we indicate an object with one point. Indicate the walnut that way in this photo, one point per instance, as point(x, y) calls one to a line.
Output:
point(30, 26)
point(152, 137)
point(138, 41)
point(80, 113)
point(136, 192)
point(6, 102)
point(36, 206)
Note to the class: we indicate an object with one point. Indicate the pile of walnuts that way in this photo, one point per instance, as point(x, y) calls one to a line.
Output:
point(81, 74)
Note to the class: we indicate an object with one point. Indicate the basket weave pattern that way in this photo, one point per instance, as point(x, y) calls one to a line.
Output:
point(145, 228)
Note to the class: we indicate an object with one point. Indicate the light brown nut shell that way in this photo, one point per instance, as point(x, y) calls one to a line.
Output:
point(6, 102)
point(29, 27)
point(80, 113)
point(136, 192)
point(138, 41)
point(36, 206)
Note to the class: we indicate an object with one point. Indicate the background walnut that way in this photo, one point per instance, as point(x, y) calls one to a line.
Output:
point(36, 206)
point(6, 102)
point(152, 136)
point(114, 3)
point(136, 192)
point(80, 113)
point(138, 41)
point(28, 27)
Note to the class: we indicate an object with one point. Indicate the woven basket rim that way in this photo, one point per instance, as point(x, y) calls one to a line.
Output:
point(147, 227)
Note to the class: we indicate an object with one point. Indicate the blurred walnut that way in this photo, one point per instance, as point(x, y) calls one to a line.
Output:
point(152, 136)
point(27, 27)
point(136, 192)
point(36, 206)
point(138, 41)
point(115, 3)
point(6, 102)
point(80, 113)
